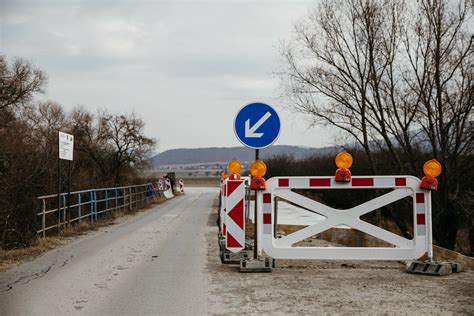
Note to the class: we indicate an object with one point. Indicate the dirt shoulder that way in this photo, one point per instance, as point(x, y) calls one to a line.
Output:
point(13, 257)
point(333, 287)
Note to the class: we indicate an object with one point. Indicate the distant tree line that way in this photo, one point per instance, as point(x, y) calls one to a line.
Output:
point(109, 149)
point(396, 78)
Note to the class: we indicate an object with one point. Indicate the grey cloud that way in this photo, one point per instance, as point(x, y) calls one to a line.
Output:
point(166, 60)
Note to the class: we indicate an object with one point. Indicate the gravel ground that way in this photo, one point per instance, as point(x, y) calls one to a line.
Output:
point(333, 287)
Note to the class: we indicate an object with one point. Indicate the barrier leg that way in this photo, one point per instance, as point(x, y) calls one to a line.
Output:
point(258, 263)
point(430, 231)
point(259, 223)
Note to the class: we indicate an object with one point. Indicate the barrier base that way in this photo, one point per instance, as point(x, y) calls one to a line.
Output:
point(221, 241)
point(434, 268)
point(256, 265)
point(228, 257)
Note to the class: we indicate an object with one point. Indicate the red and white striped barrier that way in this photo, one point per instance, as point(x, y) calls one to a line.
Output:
point(234, 215)
point(404, 249)
point(160, 185)
point(168, 191)
point(181, 186)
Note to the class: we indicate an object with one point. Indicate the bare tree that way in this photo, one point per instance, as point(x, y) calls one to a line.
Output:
point(341, 69)
point(439, 48)
point(108, 148)
point(90, 143)
point(28, 157)
point(393, 75)
point(129, 146)
point(19, 82)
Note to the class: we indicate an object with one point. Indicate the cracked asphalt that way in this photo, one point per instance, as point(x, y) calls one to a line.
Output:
point(151, 264)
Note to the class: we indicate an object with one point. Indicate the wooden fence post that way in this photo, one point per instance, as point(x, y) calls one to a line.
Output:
point(130, 199)
point(43, 221)
point(79, 207)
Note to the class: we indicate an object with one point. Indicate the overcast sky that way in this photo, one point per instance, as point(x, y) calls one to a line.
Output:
point(186, 67)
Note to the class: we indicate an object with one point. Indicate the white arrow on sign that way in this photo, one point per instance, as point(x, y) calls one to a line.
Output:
point(250, 131)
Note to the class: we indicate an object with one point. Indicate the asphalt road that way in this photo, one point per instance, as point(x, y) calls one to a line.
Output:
point(151, 264)
point(165, 261)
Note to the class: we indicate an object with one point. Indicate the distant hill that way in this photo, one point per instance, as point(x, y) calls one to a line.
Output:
point(184, 156)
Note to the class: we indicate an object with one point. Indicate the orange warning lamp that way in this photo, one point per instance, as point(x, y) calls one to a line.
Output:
point(343, 162)
point(258, 169)
point(234, 167)
point(432, 168)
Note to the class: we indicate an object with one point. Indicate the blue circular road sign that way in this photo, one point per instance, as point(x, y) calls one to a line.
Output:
point(257, 125)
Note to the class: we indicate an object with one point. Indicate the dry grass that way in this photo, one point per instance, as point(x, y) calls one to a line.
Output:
point(10, 258)
point(159, 200)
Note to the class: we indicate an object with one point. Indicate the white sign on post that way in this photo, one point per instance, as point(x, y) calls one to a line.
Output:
point(66, 146)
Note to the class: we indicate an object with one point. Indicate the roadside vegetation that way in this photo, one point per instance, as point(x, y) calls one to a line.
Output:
point(109, 149)
point(395, 77)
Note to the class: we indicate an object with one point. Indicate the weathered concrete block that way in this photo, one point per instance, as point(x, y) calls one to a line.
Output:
point(221, 241)
point(228, 257)
point(457, 267)
point(430, 268)
point(256, 265)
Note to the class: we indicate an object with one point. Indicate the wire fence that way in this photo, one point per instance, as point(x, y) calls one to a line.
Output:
point(91, 205)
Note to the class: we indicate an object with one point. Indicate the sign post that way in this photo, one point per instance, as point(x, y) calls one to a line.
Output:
point(66, 150)
point(257, 126)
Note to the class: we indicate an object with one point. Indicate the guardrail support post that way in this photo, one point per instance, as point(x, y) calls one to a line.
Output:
point(130, 198)
point(106, 201)
point(116, 201)
point(95, 205)
point(43, 222)
point(147, 188)
point(79, 207)
point(64, 211)
point(124, 199)
point(148, 193)
point(91, 206)
point(59, 213)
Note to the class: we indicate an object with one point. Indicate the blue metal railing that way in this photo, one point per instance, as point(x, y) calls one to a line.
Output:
point(92, 204)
